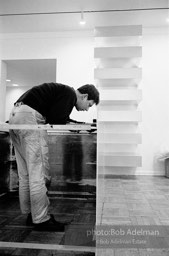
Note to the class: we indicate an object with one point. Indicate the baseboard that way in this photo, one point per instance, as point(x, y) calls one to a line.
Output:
point(131, 176)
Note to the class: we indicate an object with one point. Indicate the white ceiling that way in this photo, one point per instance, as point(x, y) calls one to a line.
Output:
point(93, 13)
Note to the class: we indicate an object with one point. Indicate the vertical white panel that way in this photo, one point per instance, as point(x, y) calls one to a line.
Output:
point(3, 74)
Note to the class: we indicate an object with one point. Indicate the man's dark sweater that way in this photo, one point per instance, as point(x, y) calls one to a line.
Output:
point(52, 100)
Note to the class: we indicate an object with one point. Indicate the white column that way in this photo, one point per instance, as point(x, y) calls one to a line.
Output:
point(3, 74)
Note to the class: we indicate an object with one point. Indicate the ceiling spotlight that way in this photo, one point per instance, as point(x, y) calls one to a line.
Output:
point(15, 84)
point(82, 21)
point(8, 80)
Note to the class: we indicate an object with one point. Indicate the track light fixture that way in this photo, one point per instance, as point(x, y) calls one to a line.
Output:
point(82, 20)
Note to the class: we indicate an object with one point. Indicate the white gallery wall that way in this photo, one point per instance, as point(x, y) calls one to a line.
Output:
point(155, 105)
point(74, 52)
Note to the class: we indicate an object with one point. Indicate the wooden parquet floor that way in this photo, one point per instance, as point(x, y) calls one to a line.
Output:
point(18, 239)
point(133, 202)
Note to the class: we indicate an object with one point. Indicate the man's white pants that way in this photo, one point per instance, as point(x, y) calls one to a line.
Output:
point(31, 150)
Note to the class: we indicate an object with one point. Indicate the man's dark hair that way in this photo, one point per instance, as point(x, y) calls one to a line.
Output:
point(90, 89)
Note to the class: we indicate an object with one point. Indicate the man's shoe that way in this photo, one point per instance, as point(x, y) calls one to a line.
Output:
point(29, 221)
point(50, 225)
